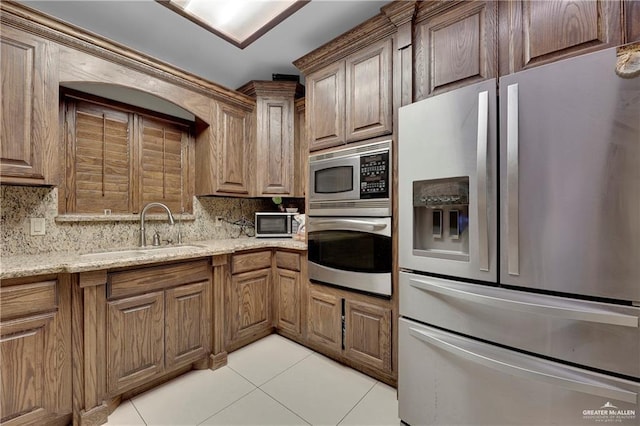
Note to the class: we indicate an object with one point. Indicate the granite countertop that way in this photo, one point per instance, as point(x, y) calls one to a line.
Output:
point(72, 262)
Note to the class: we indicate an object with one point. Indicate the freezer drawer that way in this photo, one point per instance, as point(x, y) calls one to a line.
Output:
point(597, 335)
point(445, 379)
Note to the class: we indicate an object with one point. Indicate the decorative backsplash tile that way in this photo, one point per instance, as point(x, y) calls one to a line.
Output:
point(19, 204)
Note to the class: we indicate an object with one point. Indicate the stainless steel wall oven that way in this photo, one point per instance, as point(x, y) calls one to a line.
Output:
point(349, 225)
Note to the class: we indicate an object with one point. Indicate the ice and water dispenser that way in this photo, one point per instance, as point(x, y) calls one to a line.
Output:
point(441, 218)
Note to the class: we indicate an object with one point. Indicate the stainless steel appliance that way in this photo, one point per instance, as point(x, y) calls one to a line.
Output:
point(275, 224)
point(543, 327)
point(351, 252)
point(353, 181)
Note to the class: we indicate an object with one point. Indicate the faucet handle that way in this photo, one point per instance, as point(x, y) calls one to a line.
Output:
point(156, 239)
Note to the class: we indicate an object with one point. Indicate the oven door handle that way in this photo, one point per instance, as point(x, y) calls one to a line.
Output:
point(346, 225)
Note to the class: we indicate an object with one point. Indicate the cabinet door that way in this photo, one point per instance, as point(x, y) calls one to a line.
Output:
point(275, 146)
point(35, 338)
point(28, 101)
point(187, 323)
point(324, 321)
point(368, 334)
point(250, 304)
point(135, 340)
point(301, 149)
point(455, 48)
point(234, 149)
point(326, 107)
point(538, 32)
point(288, 301)
point(369, 75)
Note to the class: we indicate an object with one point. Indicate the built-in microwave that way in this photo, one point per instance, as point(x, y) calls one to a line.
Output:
point(353, 181)
point(275, 224)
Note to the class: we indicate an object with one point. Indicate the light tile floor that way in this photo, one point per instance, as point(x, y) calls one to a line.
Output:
point(273, 381)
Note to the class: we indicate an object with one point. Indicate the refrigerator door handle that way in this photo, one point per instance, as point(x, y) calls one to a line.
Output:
point(570, 379)
point(572, 311)
point(513, 255)
point(483, 232)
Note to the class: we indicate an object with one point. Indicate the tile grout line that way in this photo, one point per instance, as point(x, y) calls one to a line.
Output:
point(227, 406)
point(137, 411)
point(287, 408)
point(359, 401)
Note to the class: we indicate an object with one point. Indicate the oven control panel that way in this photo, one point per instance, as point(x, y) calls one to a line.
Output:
point(374, 176)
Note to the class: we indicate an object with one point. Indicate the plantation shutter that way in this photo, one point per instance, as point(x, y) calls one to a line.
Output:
point(161, 168)
point(101, 161)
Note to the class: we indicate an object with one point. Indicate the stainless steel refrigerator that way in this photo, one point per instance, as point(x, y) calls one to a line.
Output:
point(519, 221)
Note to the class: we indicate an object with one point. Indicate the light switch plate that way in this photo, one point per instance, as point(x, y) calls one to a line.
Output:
point(37, 226)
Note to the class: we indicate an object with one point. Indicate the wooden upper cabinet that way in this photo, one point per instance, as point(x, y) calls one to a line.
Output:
point(455, 47)
point(326, 107)
point(369, 76)
point(28, 135)
point(533, 33)
point(301, 149)
point(275, 137)
point(233, 150)
point(351, 100)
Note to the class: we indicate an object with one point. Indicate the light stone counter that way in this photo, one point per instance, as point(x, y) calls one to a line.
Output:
point(71, 262)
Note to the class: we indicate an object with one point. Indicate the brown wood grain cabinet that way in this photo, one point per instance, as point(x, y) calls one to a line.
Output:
point(368, 334)
point(158, 318)
point(249, 299)
point(324, 320)
point(35, 343)
point(288, 294)
point(534, 33)
point(301, 149)
point(351, 100)
point(276, 159)
point(29, 133)
point(353, 328)
point(455, 46)
point(232, 153)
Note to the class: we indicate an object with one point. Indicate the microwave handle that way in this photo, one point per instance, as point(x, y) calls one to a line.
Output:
point(346, 225)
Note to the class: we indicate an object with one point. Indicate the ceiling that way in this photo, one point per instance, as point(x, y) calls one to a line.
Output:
point(153, 29)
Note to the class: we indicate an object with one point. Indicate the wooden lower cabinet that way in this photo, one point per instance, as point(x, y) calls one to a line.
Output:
point(135, 340)
point(35, 349)
point(288, 309)
point(324, 323)
point(288, 296)
point(158, 319)
point(353, 328)
point(367, 337)
point(249, 308)
point(187, 323)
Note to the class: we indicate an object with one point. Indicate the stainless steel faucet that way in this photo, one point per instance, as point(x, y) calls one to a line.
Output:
point(143, 213)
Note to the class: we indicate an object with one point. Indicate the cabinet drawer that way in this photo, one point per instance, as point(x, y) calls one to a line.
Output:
point(286, 260)
point(250, 261)
point(28, 296)
point(144, 280)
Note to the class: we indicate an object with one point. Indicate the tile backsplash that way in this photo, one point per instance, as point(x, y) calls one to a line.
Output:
point(19, 204)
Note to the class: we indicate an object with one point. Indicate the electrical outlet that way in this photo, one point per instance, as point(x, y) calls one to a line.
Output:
point(37, 226)
point(218, 223)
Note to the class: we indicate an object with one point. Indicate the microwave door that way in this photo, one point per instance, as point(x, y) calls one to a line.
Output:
point(335, 179)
